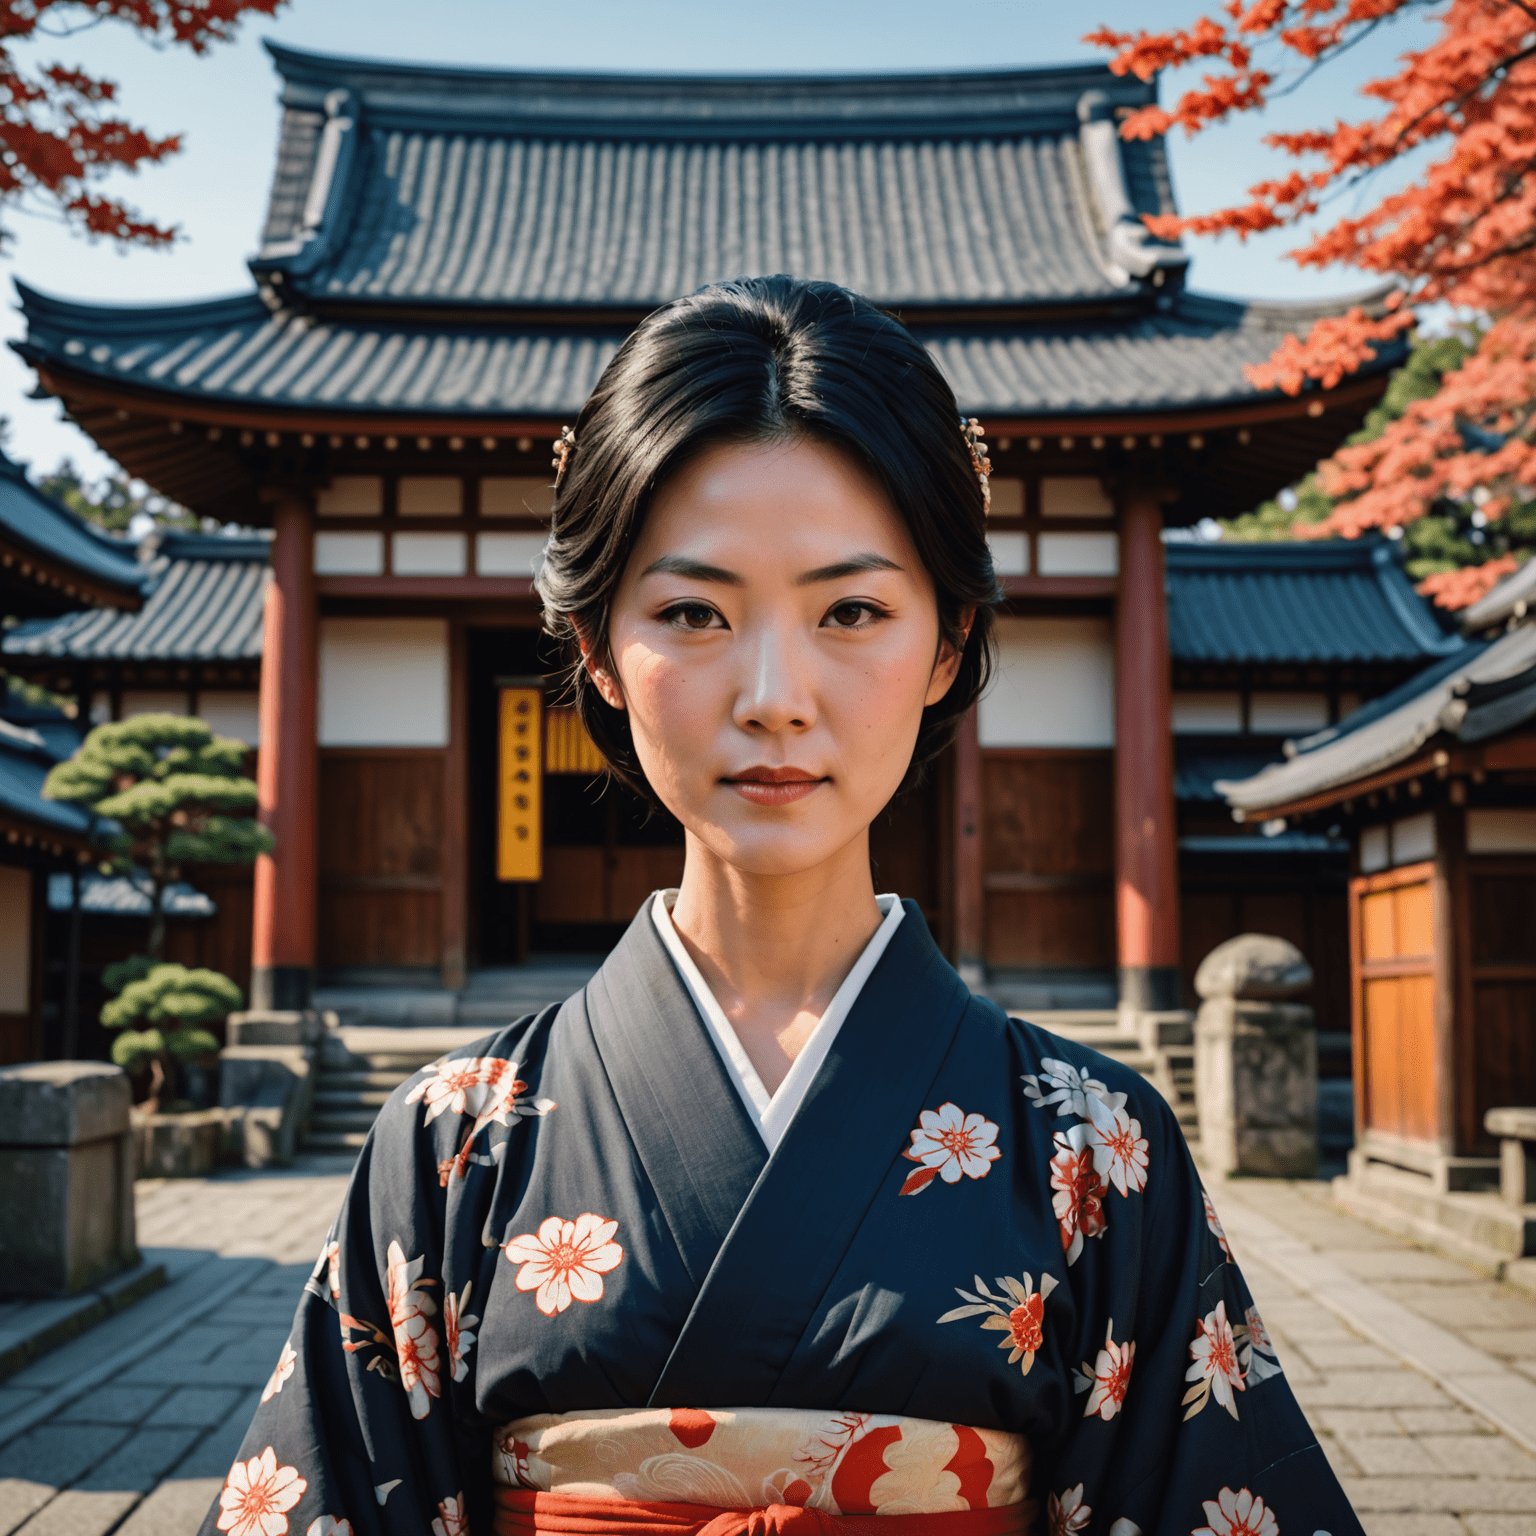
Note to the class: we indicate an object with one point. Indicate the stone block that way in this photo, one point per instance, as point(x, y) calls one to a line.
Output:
point(272, 1026)
point(1255, 966)
point(179, 1146)
point(62, 1103)
point(1256, 1087)
point(268, 1088)
point(66, 1177)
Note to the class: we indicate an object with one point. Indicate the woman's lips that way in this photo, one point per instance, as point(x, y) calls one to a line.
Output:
point(774, 786)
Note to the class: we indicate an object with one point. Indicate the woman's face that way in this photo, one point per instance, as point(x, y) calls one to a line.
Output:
point(774, 639)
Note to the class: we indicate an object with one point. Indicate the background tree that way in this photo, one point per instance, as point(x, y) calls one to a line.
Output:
point(111, 503)
point(59, 134)
point(1462, 233)
point(178, 794)
point(162, 1013)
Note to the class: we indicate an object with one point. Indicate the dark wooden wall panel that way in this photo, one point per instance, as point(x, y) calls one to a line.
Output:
point(381, 843)
point(1048, 852)
point(1504, 1036)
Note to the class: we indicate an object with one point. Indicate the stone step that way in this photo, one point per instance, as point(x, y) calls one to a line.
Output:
point(360, 1081)
point(341, 1120)
point(330, 1100)
point(334, 1141)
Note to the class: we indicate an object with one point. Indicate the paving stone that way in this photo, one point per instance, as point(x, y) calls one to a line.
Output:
point(1477, 1304)
point(1428, 1495)
point(77, 1513)
point(196, 1407)
point(215, 1453)
point(19, 1499)
point(111, 1404)
point(1507, 1343)
point(1478, 1455)
point(57, 1454)
point(1399, 1264)
point(1327, 1355)
point(1501, 1525)
point(1453, 1420)
point(1412, 1525)
point(1339, 1457)
point(1384, 1455)
point(139, 1463)
point(1360, 1421)
point(175, 1508)
point(1371, 1389)
point(1304, 1320)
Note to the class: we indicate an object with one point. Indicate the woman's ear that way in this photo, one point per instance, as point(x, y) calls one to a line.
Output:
point(946, 666)
point(603, 679)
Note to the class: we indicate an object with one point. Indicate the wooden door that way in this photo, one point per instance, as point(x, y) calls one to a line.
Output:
point(1502, 946)
point(1048, 858)
point(381, 853)
point(1393, 954)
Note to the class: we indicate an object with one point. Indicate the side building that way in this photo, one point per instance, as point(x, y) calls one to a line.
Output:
point(449, 260)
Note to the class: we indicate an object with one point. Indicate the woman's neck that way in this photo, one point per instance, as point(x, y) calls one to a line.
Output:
point(775, 948)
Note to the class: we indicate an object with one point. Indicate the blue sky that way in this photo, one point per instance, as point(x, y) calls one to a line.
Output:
point(225, 107)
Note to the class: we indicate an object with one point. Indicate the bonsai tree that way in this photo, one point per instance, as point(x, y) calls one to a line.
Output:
point(177, 795)
point(162, 1011)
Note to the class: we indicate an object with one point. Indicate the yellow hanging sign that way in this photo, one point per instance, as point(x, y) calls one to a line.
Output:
point(519, 819)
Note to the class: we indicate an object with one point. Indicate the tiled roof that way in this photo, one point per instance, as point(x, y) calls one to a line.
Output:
point(204, 605)
point(1313, 601)
point(1463, 693)
point(1193, 352)
point(24, 765)
point(470, 187)
point(1511, 598)
point(34, 521)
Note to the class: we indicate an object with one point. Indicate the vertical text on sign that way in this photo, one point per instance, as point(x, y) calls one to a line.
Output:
point(519, 840)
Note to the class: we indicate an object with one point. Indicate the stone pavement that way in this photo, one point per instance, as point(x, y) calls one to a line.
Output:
point(133, 1425)
point(1418, 1374)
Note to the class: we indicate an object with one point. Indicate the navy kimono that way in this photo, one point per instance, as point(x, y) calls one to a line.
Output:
point(969, 1221)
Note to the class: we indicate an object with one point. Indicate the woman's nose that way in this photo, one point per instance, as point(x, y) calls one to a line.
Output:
point(775, 691)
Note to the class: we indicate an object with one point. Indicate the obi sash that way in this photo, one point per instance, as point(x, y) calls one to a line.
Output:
point(726, 1472)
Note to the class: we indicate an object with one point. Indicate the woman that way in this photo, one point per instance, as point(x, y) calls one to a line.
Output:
point(775, 1226)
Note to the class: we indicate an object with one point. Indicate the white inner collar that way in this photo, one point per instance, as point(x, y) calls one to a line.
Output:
point(771, 1113)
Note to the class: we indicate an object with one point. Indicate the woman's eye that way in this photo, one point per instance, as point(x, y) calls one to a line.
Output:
point(851, 615)
point(691, 616)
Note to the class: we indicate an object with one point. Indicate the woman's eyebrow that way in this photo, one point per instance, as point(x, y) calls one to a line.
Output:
point(849, 567)
point(695, 570)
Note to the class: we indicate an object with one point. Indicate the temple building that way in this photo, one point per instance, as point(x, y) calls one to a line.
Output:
point(449, 259)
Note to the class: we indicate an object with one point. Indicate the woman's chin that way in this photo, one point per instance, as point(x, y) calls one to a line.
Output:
point(774, 852)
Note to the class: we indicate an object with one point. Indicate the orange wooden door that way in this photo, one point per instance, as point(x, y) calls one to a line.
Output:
point(1392, 929)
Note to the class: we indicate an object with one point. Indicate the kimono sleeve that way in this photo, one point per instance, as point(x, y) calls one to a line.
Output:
point(1183, 1419)
point(367, 1425)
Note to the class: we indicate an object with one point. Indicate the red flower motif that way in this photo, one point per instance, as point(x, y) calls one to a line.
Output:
point(1024, 1325)
point(1079, 1192)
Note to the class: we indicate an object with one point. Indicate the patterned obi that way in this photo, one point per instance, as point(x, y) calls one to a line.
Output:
point(727, 1471)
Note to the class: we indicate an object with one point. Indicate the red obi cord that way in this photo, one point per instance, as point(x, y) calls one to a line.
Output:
point(519, 1510)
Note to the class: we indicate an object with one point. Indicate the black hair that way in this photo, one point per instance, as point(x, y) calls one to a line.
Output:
point(755, 360)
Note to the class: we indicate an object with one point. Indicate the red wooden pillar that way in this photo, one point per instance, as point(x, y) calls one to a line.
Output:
point(283, 930)
point(1146, 835)
point(970, 958)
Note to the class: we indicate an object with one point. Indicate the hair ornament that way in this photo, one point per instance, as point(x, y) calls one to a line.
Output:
point(975, 442)
point(565, 446)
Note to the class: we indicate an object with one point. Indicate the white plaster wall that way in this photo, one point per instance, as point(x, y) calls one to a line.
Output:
point(150, 701)
point(351, 496)
point(15, 938)
point(1287, 712)
point(1055, 685)
point(1212, 714)
point(1494, 830)
point(429, 554)
point(232, 712)
point(508, 554)
point(383, 682)
point(349, 554)
point(1010, 553)
point(517, 495)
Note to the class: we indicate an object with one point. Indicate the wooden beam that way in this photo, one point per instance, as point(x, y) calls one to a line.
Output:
point(456, 587)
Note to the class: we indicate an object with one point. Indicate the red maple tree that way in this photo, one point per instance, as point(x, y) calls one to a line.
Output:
point(59, 133)
point(1461, 232)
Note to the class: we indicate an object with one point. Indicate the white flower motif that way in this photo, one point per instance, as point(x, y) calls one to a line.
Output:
point(280, 1373)
point(1214, 1369)
point(1213, 1221)
point(486, 1087)
point(1073, 1092)
point(948, 1143)
point(1067, 1515)
point(565, 1260)
point(415, 1337)
point(458, 1331)
point(257, 1496)
point(1255, 1349)
point(451, 1520)
point(1108, 1377)
point(1120, 1151)
point(329, 1525)
point(1239, 1513)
